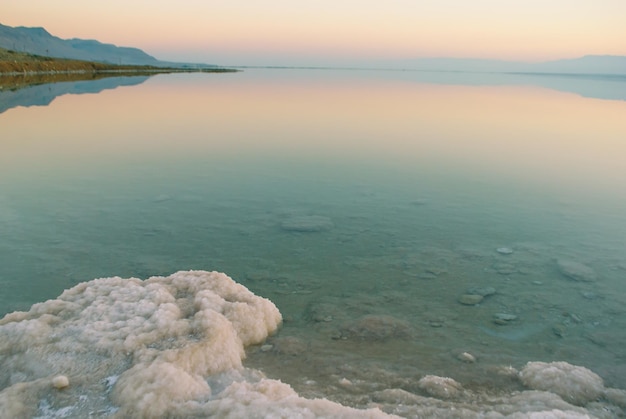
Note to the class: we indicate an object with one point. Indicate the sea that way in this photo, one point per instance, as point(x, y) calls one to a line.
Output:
point(430, 239)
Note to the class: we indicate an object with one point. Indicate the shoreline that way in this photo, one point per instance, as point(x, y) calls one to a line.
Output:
point(14, 65)
point(119, 71)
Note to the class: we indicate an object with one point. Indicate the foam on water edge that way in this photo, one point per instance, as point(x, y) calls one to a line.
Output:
point(173, 347)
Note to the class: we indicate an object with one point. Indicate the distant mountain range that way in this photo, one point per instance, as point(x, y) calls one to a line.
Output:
point(589, 64)
point(40, 42)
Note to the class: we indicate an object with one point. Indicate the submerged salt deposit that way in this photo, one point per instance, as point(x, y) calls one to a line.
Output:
point(173, 347)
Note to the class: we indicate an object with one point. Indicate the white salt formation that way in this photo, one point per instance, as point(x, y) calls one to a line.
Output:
point(60, 381)
point(576, 385)
point(173, 347)
point(135, 348)
point(440, 387)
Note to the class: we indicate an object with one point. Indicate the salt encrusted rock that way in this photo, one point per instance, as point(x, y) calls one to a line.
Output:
point(440, 387)
point(307, 223)
point(576, 385)
point(616, 396)
point(60, 381)
point(466, 357)
point(506, 371)
point(576, 271)
point(396, 396)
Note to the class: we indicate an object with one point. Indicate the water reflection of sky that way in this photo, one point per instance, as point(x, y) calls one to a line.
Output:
point(257, 130)
point(525, 132)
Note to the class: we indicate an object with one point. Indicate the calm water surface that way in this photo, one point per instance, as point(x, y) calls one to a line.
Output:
point(363, 204)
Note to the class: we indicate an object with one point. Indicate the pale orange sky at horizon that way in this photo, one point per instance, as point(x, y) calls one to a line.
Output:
point(325, 32)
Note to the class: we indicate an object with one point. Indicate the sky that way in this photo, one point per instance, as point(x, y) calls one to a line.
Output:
point(335, 32)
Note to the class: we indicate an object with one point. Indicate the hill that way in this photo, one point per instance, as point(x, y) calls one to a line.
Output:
point(40, 42)
point(12, 62)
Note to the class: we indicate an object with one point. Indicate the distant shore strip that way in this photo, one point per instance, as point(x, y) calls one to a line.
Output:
point(14, 63)
point(133, 71)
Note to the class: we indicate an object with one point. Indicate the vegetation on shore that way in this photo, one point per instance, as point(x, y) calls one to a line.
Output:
point(18, 69)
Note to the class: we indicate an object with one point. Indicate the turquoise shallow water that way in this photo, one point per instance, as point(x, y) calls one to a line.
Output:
point(364, 205)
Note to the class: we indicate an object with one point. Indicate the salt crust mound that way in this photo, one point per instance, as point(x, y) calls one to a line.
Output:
point(576, 385)
point(440, 387)
point(173, 347)
point(133, 348)
point(273, 399)
point(519, 405)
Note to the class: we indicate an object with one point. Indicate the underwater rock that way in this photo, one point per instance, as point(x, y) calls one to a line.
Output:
point(307, 224)
point(505, 268)
point(377, 328)
point(470, 299)
point(322, 312)
point(589, 295)
point(503, 318)
point(483, 291)
point(559, 330)
point(261, 275)
point(576, 385)
point(504, 250)
point(516, 334)
point(289, 345)
point(576, 271)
